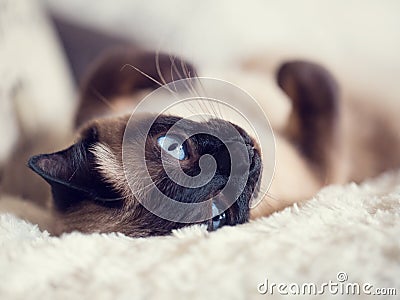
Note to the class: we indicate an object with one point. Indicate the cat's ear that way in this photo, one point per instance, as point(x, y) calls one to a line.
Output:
point(62, 170)
point(122, 72)
point(72, 175)
point(313, 123)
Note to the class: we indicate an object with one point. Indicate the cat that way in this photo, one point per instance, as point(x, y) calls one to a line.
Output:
point(313, 149)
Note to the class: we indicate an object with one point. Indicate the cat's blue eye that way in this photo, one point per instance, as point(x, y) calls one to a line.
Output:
point(219, 219)
point(173, 147)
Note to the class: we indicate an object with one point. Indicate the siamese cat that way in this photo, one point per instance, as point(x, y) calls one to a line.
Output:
point(88, 174)
point(318, 145)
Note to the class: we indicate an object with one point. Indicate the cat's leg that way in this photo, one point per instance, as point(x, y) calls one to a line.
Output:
point(314, 123)
point(308, 149)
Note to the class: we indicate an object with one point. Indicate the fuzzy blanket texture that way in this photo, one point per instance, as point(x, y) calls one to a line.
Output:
point(352, 229)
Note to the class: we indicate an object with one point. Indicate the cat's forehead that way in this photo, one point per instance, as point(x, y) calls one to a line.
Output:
point(111, 129)
point(107, 130)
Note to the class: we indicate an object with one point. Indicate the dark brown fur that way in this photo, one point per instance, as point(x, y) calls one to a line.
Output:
point(113, 76)
point(314, 121)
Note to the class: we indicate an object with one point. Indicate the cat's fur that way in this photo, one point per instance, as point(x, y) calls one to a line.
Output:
point(326, 139)
point(86, 176)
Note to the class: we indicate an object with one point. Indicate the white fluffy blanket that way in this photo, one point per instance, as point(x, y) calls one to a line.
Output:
point(353, 229)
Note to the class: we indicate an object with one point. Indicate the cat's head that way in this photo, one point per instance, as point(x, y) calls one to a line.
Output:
point(91, 187)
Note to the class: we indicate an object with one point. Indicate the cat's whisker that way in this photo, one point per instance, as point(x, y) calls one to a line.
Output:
point(269, 195)
point(211, 125)
point(141, 72)
point(73, 174)
point(104, 99)
point(163, 81)
point(189, 105)
point(218, 104)
point(151, 185)
point(149, 77)
point(216, 113)
point(172, 73)
point(157, 60)
point(194, 110)
point(187, 81)
point(188, 75)
point(203, 106)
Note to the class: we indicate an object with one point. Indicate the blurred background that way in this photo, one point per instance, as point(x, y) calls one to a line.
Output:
point(358, 40)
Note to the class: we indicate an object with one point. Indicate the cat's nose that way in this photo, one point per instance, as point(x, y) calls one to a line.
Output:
point(238, 158)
